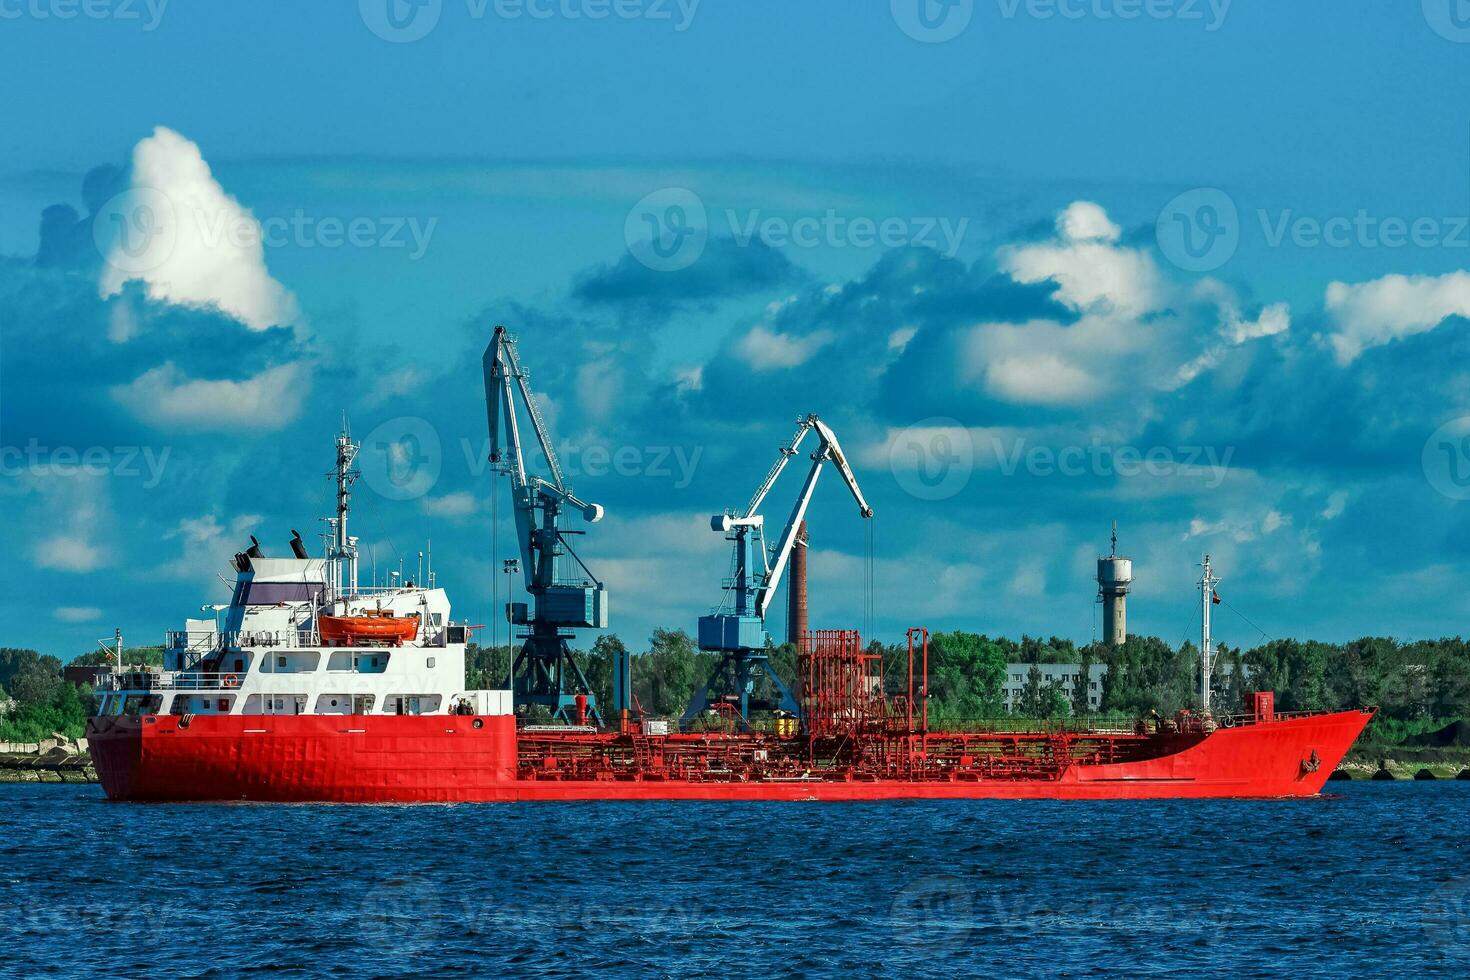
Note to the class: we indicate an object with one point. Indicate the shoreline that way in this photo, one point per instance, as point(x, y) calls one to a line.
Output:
point(54, 760)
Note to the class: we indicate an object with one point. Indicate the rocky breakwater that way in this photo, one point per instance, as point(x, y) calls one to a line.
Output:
point(57, 759)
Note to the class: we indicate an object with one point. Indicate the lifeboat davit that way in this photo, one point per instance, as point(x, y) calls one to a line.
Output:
point(370, 627)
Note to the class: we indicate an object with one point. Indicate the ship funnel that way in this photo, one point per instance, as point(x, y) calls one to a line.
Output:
point(254, 550)
point(298, 547)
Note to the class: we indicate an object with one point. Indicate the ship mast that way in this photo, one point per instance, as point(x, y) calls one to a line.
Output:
point(344, 545)
point(1207, 585)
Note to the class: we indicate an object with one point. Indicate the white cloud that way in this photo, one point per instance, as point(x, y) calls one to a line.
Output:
point(1040, 379)
point(1084, 221)
point(1383, 310)
point(206, 547)
point(1029, 580)
point(165, 397)
point(1274, 521)
point(900, 338)
point(75, 508)
point(1336, 504)
point(765, 350)
point(199, 247)
point(1235, 330)
point(1090, 270)
point(450, 505)
point(68, 554)
point(688, 380)
point(76, 614)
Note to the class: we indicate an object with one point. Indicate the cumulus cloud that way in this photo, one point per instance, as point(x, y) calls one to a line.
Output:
point(75, 512)
point(1336, 504)
point(1085, 221)
point(1090, 270)
point(450, 505)
point(1041, 378)
point(191, 243)
point(1234, 331)
point(765, 349)
point(76, 614)
point(726, 269)
point(1380, 311)
point(206, 545)
point(166, 397)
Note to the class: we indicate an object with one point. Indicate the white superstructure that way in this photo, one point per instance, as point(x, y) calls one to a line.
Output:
point(264, 652)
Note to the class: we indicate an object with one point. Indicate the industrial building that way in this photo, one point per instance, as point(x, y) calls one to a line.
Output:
point(1062, 676)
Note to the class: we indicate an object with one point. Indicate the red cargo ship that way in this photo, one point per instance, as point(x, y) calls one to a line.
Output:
point(855, 744)
point(310, 687)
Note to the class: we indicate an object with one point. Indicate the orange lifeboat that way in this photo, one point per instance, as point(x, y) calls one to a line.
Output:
point(370, 627)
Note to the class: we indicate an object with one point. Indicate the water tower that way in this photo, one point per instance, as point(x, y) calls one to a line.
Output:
point(1114, 579)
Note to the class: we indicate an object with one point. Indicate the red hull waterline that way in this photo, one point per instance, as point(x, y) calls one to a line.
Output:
point(445, 758)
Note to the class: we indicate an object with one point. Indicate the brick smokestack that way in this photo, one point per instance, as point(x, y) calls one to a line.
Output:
point(796, 609)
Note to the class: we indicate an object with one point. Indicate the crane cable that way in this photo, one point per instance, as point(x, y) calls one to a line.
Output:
point(869, 584)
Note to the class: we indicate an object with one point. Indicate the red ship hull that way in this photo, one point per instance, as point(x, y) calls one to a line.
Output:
point(439, 758)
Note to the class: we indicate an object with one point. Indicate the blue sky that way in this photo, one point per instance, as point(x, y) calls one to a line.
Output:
point(1199, 268)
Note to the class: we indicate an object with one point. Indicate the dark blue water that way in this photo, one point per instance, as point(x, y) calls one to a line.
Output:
point(1373, 880)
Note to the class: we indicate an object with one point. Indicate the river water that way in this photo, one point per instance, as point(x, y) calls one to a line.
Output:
point(1374, 878)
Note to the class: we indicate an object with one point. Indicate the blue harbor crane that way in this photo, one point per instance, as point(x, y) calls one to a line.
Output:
point(565, 595)
point(739, 634)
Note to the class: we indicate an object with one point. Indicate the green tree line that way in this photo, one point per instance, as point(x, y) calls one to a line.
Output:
point(1415, 684)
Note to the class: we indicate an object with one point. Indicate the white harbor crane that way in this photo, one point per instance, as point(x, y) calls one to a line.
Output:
point(739, 635)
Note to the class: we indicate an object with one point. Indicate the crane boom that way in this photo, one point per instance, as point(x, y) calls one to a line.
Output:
point(829, 449)
point(739, 634)
point(564, 599)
